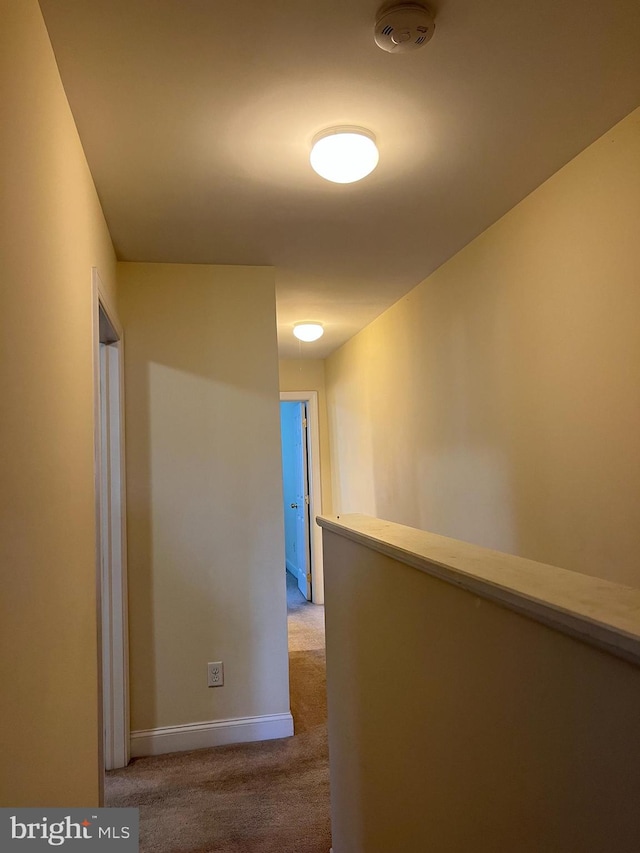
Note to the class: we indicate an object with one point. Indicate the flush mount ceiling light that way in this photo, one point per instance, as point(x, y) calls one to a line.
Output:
point(344, 154)
point(308, 332)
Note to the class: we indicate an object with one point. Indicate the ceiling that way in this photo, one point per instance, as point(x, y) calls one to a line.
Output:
point(197, 116)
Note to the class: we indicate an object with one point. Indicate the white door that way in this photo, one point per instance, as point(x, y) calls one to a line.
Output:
point(310, 399)
point(295, 481)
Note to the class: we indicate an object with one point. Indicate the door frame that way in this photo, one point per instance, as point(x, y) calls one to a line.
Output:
point(315, 488)
point(111, 579)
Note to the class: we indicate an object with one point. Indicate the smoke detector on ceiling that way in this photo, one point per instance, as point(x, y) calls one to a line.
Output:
point(403, 28)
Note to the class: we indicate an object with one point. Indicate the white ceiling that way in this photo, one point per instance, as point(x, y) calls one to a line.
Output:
point(197, 116)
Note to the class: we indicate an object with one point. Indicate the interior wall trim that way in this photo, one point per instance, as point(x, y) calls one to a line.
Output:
point(590, 609)
point(145, 742)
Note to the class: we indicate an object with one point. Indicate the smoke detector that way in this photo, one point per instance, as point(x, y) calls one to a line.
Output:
point(403, 28)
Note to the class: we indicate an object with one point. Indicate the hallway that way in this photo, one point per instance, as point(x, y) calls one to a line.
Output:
point(263, 797)
point(307, 660)
point(305, 620)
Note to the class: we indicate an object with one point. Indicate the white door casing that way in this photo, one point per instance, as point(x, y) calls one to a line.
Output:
point(304, 538)
point(111, 533)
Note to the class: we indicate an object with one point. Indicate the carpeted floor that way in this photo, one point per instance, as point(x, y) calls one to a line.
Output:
point(306, 621)
point(266, 797)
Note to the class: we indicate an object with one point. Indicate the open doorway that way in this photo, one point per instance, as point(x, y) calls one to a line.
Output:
point(296, 491)
point(302, 494)
point(111, 533)
point(303, 550)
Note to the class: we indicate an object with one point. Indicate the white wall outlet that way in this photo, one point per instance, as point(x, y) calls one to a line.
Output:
point(215, 674)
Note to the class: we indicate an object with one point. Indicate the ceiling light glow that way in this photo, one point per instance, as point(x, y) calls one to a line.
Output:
point(344, 154)
point(308, 332)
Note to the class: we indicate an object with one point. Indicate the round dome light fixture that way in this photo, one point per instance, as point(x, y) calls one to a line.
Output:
point(308, 332)
point(344, 154)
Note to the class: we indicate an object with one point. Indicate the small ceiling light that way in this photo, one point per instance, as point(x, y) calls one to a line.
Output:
point(344, 154)
point(308, 332)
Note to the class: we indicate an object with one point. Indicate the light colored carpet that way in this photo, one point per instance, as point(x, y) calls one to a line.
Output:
point(306, 621)
point(265, 797)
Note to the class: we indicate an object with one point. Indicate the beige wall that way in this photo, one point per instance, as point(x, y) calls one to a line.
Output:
point(204, 492)
point(52, 233)
point(499, 402)
point(459, 726)
point(308, 375)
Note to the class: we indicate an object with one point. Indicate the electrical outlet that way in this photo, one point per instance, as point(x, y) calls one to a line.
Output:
point(215, 674)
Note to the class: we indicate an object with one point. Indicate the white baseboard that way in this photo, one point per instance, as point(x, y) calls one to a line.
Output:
point(298, 575)
point(291, 569)
point(212, 733)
